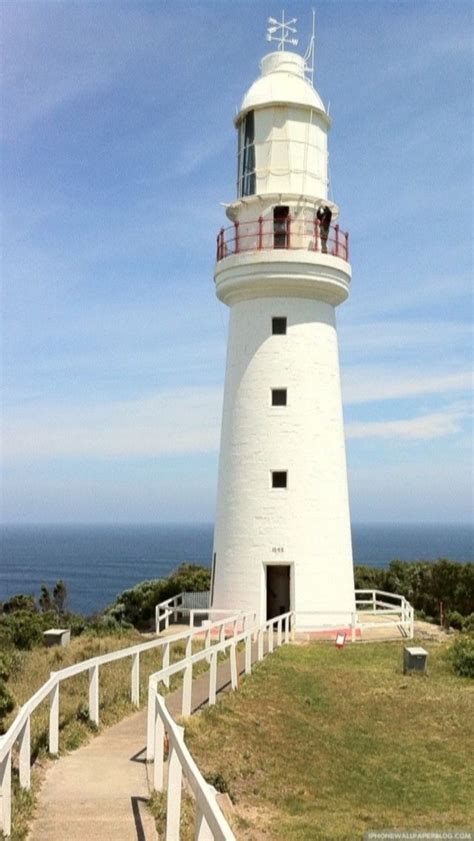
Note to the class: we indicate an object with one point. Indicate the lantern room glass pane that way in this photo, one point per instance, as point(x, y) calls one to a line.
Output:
point(246, 155)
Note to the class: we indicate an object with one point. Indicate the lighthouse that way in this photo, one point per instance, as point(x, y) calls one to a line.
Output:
point(282, 537)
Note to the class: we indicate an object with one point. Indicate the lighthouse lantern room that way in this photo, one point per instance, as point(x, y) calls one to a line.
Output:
point(282, 532)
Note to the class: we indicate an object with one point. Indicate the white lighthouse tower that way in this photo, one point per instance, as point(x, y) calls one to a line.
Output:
point(282, 533)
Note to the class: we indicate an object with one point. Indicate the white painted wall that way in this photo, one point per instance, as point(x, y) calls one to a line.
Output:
point(309, 521)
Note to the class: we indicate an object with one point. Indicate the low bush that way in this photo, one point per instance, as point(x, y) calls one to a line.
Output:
point(453, 619)
point(461, 654)
point(137, 605)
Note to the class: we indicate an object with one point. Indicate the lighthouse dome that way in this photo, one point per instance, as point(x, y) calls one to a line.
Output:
point(282, 82)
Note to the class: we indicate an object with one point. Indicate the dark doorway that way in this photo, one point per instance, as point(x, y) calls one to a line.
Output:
point(278, 590)
point(280, 226)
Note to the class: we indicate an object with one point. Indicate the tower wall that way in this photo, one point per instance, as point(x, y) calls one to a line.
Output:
point(307, 524)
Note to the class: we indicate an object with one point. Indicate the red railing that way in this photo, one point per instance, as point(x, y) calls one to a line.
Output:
point(264, 234)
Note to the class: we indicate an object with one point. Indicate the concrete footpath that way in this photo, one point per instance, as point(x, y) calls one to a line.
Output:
point(99, 791)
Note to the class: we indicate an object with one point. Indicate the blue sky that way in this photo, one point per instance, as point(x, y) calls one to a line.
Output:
point(118, 147)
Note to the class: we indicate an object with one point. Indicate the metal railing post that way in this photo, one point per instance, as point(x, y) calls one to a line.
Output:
point(336, 240)
point(236, 240)
point(347, 245)
point(260, 233)
point(317, 240)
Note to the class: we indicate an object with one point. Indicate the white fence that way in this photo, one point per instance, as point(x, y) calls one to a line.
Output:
point(396, 614)
point(19, 730)
point(210, 822)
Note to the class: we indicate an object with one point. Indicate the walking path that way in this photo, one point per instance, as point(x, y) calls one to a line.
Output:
point(100, 790)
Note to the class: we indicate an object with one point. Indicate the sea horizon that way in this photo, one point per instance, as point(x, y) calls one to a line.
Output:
point(98, 561)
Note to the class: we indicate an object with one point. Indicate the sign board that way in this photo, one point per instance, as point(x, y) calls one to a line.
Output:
point(340, 640)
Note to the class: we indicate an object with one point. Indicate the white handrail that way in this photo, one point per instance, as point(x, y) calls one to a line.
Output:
point(210, 822)
point(20, 727)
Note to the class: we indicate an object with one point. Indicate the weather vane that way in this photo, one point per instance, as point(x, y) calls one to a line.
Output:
point(281, 31)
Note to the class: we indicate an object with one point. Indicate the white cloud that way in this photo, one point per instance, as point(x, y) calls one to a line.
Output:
point(374, 383)
point(422, 427)
point(169, 422)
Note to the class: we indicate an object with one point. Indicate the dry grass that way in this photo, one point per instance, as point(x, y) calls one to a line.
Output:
point(322, 745)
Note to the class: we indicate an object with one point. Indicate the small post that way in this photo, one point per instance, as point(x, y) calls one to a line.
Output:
point(353, 626)
point(412, 622)
point(25, 755)
point(270, 638)
point(6, 792)
point(374, 598)
point(234, 627)
point(347, 245)
point(191, 618)
point(213, 679)
point(336, 240)
point(202, 831)
point(173, 804)
point(248, 654)
point(287, 629)
point(135, 690)
point(165, 663)
point(54, 719)
point(189, 646)
point(260, 233)
point(167, 618)
point(293, 626)
point(150, 727)
point(260, 644)
point(288, 231)
point(207, 643)
point(317, 241)
point(222, 633)
point(94, 694)
point(159, 747)
point(279, 633)
point(233, 666)
point(237, 240)
point(187, 689)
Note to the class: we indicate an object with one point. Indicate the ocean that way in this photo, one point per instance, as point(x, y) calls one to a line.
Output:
point(98, 562)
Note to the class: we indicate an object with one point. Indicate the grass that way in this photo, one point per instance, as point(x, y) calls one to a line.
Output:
point(32, 668)
point(323, 745)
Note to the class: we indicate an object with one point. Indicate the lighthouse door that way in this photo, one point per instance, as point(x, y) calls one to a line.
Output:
point(278, 590)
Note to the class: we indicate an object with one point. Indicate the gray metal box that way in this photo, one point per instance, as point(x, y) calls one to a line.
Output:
point(414, 659)
point(57, 636)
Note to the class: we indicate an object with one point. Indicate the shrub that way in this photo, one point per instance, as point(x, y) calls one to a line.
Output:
point(461, 654)
point(469, 623)
point(20, 602)
point(137, 605)
point(7, 703)
point(453, 619)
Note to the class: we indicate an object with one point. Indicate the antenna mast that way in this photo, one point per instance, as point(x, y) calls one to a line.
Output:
point(309, 54)
point(280, 31)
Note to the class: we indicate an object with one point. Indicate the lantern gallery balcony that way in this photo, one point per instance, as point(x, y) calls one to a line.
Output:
point(286, 232)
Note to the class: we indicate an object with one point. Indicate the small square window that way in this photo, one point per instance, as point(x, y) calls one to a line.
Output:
point(279, 326)
point(279, 478)
point(278, 396)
